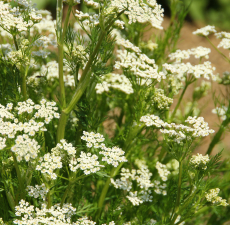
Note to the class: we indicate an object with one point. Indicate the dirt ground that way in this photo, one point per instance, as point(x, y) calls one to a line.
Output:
point(187, 41)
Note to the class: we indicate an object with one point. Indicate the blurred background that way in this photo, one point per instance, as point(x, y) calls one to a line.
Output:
point(212, 12)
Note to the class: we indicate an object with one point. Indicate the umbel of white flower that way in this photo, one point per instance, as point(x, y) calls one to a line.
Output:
point(179, 132)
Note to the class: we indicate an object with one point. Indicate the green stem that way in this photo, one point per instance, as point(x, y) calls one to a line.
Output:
point(21, 183)
point(179, 101)
point(79, 91)
point(15, 42)
point(24, 92)
point(61, 126)
point(222, 54)
point(219, 133)
point(65, 194)
point(178, 194)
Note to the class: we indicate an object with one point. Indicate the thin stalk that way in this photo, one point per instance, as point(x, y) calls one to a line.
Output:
point(24, 92)
point(65, 194)
point(15, 42)
point(178, 195)
point(179, 101)
point(60, 39)
point(222, 54)
point(218, 135)
point(21, 183)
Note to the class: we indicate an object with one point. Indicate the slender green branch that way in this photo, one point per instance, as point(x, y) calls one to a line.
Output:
point(66, 193)
point(15, 42)
point(21, 183)
point(179, 101)
point(218, 135)
point(221, 53)
point(24, 92)
point(178, 194)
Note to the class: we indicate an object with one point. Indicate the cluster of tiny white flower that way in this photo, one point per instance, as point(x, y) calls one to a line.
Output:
point(180, 70)
point(198, 52)
point(116, 81)
point(142, 177)
point(91, 3)
point(123, 42)
point(160, 100)
point(179, 132)
point(162, 171)
point(38, 191)
point(12, 19)
point(25, 148)
point(205, 31)
point(48, 163)
point(112, 155)
point(68, 147)
point(86, 162)
point(2, 143)
point(50, 71)
point(159, 187)
point(221, 112)
point(139, 64)
point(10, 128)
point(199, 161)
point(139, 11)
point(212, 196)
point(53, 215)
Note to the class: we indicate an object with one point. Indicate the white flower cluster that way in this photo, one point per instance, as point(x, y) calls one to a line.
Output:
point(123, 42)
point(116, 81)
point(199, 161)
point(25, 148)
point(2, 143)
point(225, 42)
point(112, 155)
point(44, 110)
point(139, 64)
point(212, 196)
point(159, 187)
point(47, 24)
point(179, 132)
point(50, 71)
point(139, 11)
point(119, 23)
point(87, 162)
point(48, 163)
point(180, 70)
point(142, 177)
point(162, 171)
point(133, 198)
point(198, 53)
point(87, 19)
point(54, 215)
point(39, 191)
point(91, 3)
point(221, 112)
point(63, 145)
point(11, 19)
point(205, 31)
point(161, 101)
point(179, 55)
